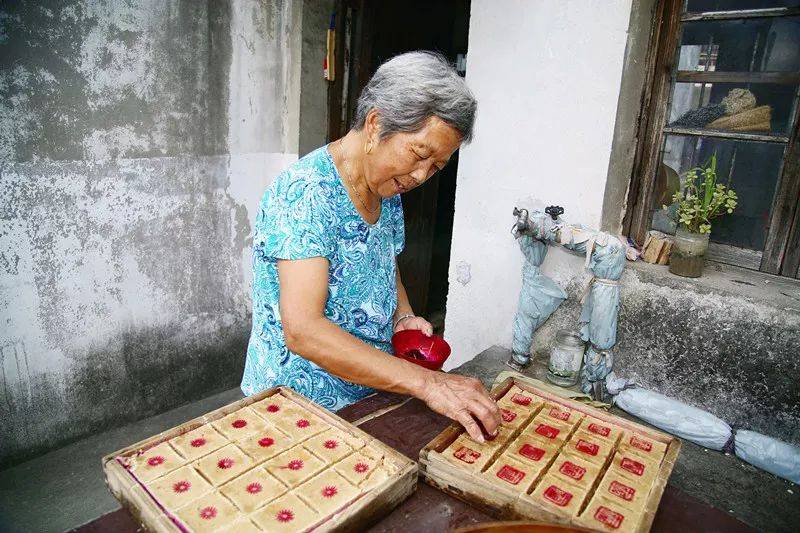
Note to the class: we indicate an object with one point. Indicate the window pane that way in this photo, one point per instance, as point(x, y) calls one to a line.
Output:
point(734, 5)
point(750, 168)
point(748, 45)
point(767, 108)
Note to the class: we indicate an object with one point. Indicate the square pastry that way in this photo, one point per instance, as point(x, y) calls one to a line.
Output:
point(513, 416)
point(327, 492)
point(356, 468)
point(378, 476)
point(330, 446)
point(635, 468)
point(548, 430)
point(198, 442)
point(294, 466)
point(604, 515)
point(588, 447)
point(469, 454)
point(600, 429)
point(575, 470)
point(212, 512)
point(520, 399)
point(561, 413)
point(287, 513)
point(642, 445)
point(155, 462)
point(273, 407)
point(224, 464)
point(531, 450)
point(300, 425)
point(179, 488)
point(265, 444)
point(252, 490)
point(511, 473)
point(558, 496)
point(622, 491)
point(239, 424)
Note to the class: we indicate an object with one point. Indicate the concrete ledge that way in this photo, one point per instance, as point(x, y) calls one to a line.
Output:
point(727, 342)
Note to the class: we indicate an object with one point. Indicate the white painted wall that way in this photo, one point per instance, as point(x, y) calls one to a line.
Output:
point(547, 78)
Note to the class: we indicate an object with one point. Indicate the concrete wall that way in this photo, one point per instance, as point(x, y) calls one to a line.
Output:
point(136, 138)
point(313, 87)
point(547, 98)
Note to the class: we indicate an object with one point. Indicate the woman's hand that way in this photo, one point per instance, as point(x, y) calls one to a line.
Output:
point(415, 322)
point(462, 399)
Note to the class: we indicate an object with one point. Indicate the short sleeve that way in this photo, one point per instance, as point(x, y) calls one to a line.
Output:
point(398, 225)
point(294, 220)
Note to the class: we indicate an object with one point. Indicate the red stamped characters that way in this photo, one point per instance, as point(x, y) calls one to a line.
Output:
point(468, 455)
point(521, 399)
point(508, 416)
point(572, 470)
point(634, 467)
point(531, 452)
point(558, 496)
point(621, 490)
point(608, 517)
point(589, 448)
point(642, 444)
point(547, 431)
point(510, 474)
point(597, 429)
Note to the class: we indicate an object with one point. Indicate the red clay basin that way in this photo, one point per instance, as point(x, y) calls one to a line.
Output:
point(416, 347)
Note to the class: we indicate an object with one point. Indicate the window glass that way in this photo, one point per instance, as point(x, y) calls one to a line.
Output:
point(735, 5)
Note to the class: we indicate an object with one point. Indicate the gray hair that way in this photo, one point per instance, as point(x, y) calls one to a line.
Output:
point(410, 88)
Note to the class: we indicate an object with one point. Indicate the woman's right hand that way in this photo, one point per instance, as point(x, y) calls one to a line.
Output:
point(461, 399)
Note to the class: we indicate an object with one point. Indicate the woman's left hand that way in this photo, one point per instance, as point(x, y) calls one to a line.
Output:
point(415, 322)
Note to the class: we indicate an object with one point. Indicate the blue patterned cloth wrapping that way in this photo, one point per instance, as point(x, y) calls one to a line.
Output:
point(306, 212)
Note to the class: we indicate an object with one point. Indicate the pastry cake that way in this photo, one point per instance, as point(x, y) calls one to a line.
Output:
point(513, 416)
point(300, 425)
point(520, 399)
point(327, 492)
point(212, 512)
point(600, 429)
point(588, 447)
point(574, 470)
point(532, 450)
point(634, 467)
point(180, 487)
point(240, 424)
point(273, 407)
point(224, 464)
point(198, 442)
point(604, 515)
point(638, 444)
point(561, 413)
point(622, 490)
point(294, 466)
point(558, 496)
point(253, 490)
point(356, 468)
point(155, 462)
point(287, 513)
point(265, 444)
point(378, 476)
point(548, 429)
point(330, 446)
point(511, 473)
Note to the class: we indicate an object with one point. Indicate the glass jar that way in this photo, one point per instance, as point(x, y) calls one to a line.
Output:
point(566, 357)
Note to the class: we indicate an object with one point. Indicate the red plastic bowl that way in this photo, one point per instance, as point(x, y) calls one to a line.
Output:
point(416, 347)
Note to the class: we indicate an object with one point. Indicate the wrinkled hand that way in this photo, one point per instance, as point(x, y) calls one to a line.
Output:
point(415, 322)
point(461, 398)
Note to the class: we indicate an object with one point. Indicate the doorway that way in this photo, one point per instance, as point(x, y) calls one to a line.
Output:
point(370, 33)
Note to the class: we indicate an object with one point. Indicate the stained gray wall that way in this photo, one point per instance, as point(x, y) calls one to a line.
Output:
point(135, 140)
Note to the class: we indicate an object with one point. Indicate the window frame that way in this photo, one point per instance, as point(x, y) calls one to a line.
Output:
point(781, 254)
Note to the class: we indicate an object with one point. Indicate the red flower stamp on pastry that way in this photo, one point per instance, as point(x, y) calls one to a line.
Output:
point(156, 460)
point(547, 431)
point(181, 486)
point(225, 463)
point(621, 490)
point(329, 491)
point(284, 515)
point(239, 423)
point(597, 429)
point(608, 517)
point(266, 442)
point(510, 474)
point(207, 513)
point(558, 496)
point(254, 488)
point(572, 470)
point(273, 408)
point(642, 444)
point(196, 443)
point(361, 467)
point(521, 399)
point(531, 452)
point(295, 464)
point(589, 448)
point(634, 467)
point(468, 455)
point(331, 444)
point(303, 423)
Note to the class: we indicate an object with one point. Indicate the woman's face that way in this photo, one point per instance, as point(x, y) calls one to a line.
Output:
point(404, 161)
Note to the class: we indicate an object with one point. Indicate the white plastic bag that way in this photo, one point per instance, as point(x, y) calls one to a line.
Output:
point(769, 454)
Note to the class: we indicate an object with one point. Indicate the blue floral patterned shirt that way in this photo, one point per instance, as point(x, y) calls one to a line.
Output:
point(306, 212)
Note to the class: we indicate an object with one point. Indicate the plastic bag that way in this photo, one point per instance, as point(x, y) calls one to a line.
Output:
point(768, 454)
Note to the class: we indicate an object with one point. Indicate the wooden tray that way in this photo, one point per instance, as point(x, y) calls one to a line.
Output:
point(504, 503)
point(363, 510)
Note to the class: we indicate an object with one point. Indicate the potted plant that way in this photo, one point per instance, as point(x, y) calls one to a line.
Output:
point(699, 200)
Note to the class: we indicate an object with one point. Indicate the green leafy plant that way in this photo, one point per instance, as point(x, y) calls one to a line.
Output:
point(701, 198)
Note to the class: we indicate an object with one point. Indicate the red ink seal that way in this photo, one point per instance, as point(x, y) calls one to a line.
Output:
point(597, 429)
point(521, 399)
point(207, 513)
point(254, 488)
point(634, 467)
point(181, 486)
point(329, 491)
point(558, 496)
point(155, 460)
point(225, 463)
point(303, 423)
point(572, 470)
point(196, 443)
point(361, 467)
point(508, 416)
point(608, 517)
point(547, 431)
point(239, 424)
point(589, 448)
point(273, 408)
point(559, 414)
point(467, 455)
point(621, 490)
point(331, 444)
point(510, 474)
point(266, 442)
point(284, 515)
point(295, 464)
point(531, 452)
point(642, 444)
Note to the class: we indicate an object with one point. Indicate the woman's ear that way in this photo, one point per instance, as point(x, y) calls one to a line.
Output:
point(372, 126)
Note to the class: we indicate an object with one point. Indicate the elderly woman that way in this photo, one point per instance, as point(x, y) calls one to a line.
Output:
point(327, 293)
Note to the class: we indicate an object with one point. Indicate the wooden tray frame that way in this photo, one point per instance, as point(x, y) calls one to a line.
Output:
point(357, 515)
point(505, 504)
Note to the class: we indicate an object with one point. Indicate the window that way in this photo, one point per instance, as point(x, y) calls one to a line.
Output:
point(724, 78)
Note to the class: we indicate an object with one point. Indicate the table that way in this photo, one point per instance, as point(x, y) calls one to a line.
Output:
point(430, 510)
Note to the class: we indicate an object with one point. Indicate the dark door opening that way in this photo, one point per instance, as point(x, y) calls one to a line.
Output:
point(370, 33)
